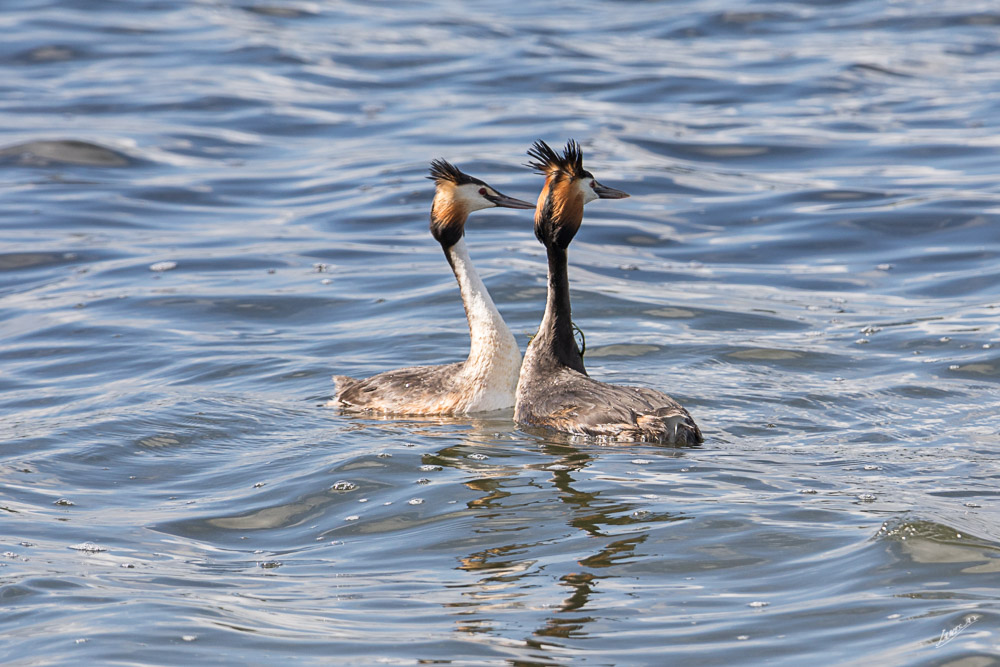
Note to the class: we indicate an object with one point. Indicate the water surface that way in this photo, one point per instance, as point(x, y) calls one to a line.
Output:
point(209, 207)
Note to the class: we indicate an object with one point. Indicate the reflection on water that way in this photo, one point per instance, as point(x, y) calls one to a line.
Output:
point(212, 207)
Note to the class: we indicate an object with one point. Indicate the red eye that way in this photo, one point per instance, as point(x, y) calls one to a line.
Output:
point(482, 191)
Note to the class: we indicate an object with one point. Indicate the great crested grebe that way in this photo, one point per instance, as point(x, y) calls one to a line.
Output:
point(487, 379)
point(554, 390)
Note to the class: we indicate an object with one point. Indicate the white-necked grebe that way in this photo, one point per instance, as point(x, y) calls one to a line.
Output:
point(487, 378)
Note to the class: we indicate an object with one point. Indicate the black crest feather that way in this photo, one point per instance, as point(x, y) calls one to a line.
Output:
point(442, 170)
point(547, 160)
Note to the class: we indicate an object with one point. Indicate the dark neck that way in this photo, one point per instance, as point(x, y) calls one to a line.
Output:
point(555, 335)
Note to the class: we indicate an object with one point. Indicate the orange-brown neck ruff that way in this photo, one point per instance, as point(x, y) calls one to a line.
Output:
point(448, 218)
point(559, 211)
point(567, 204)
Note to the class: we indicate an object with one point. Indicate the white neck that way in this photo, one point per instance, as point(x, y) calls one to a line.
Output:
point(494, 358)
point(486, 326)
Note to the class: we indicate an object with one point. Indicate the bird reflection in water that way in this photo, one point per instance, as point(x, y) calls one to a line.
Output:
point(509, 572)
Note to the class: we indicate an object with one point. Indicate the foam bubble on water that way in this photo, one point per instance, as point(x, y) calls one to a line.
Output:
point(159, 267)
point(415, 501)
point(641, 462)
point(757, 604)
point(88, 547)
point(353, 517)
point(867, 497)
point(269, 564)
point(64, 502)
point(478, 457)
point(343, 486)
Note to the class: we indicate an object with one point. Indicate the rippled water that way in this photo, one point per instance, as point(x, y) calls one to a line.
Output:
point(209, 207)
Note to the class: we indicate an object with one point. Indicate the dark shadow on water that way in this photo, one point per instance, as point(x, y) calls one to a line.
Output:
point(45, 153)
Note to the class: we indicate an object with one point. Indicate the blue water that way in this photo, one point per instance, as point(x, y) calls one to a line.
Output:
point(211, 206)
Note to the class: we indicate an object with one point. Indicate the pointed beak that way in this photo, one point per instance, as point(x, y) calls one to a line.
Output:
point(604, 192)
point(509, 202)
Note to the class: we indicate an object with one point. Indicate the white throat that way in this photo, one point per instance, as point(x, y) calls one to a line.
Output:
point(494, 359)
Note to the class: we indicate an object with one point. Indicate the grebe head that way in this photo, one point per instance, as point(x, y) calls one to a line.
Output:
point(457, 195)
point(568, 186)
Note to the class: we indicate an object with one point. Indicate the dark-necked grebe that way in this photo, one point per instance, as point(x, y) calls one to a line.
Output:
point(487, 378)
point(554, 390)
